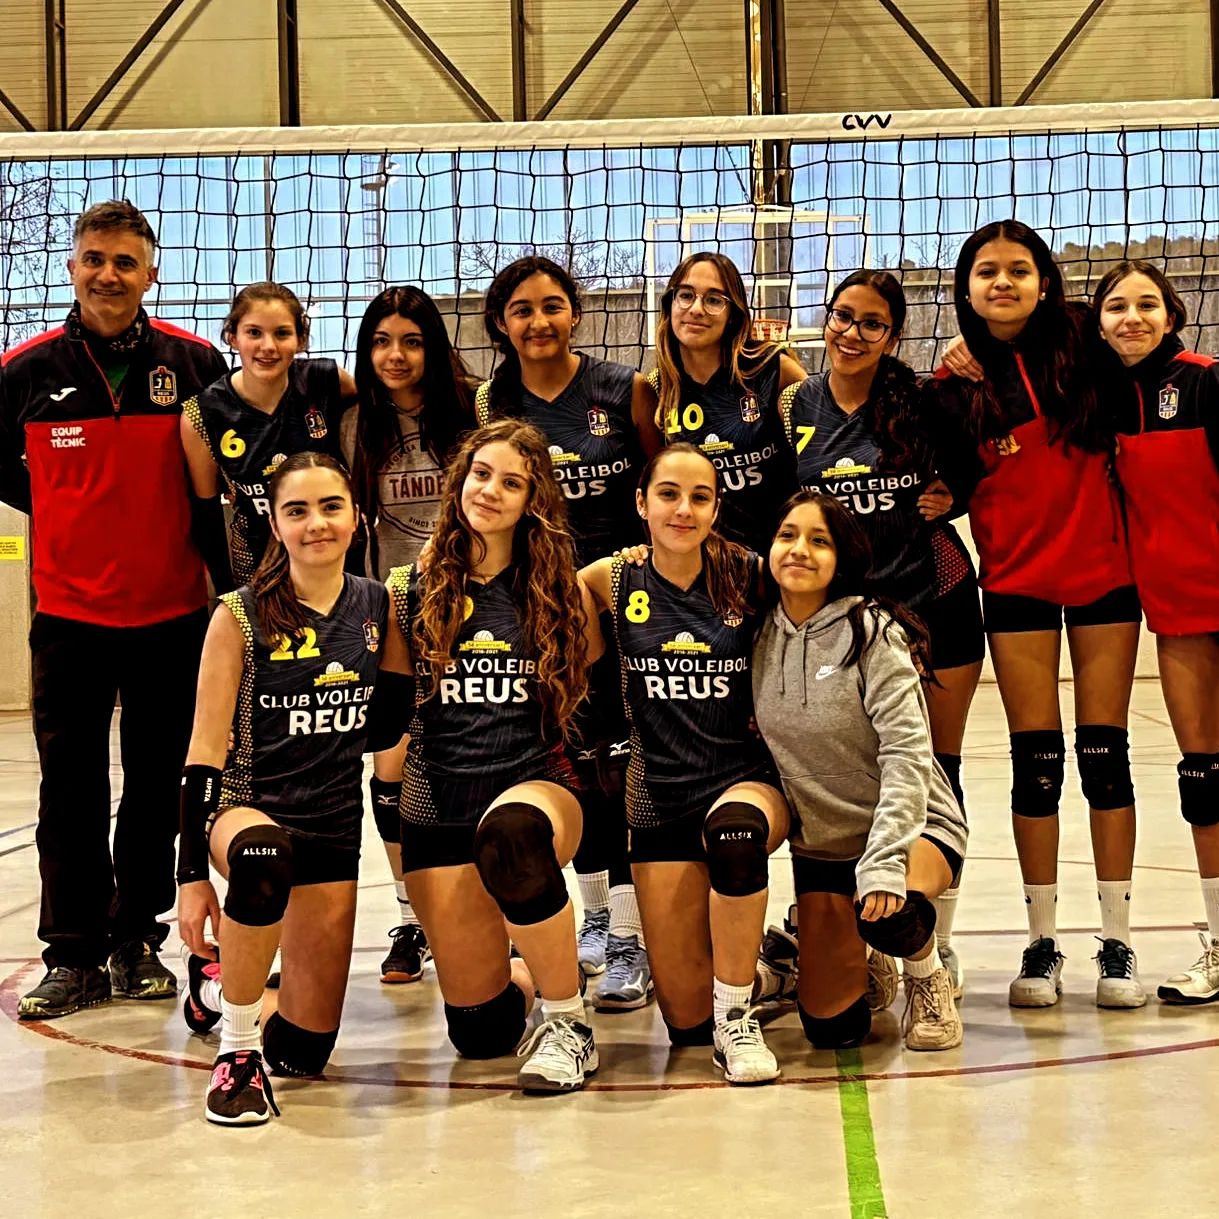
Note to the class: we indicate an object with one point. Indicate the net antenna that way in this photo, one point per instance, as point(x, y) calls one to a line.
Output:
point(789, 258)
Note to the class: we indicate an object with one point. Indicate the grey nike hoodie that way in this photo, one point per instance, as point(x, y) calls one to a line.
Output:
point(853, 746)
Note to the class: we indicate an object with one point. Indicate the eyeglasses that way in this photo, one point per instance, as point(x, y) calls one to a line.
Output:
point(713, 302)
point(870, 330)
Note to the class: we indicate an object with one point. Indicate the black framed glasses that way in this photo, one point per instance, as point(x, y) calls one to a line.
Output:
point(714, 302)
point(870, 329)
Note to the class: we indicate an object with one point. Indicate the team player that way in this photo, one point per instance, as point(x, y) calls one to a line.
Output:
point(859, 433)
point(497, 633)
point(877, 832)
point(415, 400)
point(289, 668)
point(702, 807)
point(599, 421)
point(243, 424)
point(719, 389)
point(1032, 463)
point(89, 448)
point(1166, 407)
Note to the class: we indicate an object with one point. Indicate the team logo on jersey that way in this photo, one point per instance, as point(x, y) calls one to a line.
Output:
point(683, 641)
point(484, 641)
point(751, 412)
point(336, 675)
point(276, 461)
point(315, 424)
point(598, 421)
point(733, 620)
point(1168, 402)
point(844, 466)
point(163, 386)
point(713, 444)
point(558, 457)
point(372, 634)
point(1009, 446)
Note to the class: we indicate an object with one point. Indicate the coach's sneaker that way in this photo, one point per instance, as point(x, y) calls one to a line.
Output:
point(778, 968)
point(952, 963)
point(1118, 984)
point(201, 1015)
point(561, 1052)
point(1200, 982)
point(591, 941)
point(239, 1093)
point(136, 971)
point(1040, 980)
point(408, 954)
point(741, 1051)
point(628, 976)
point(931, 1020)
point(882, 981)
point(64, 990)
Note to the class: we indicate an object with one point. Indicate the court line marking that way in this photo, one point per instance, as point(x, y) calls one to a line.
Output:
point(864, 1186)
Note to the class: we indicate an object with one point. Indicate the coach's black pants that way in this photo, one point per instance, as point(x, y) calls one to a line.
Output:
point(91, 903)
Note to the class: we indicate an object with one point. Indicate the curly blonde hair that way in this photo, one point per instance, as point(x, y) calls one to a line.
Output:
point(545, 588)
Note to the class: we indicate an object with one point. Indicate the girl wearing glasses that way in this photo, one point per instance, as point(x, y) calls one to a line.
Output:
point(599, 421)
point(719, 390)
point(859, 435)
point(1031, 460)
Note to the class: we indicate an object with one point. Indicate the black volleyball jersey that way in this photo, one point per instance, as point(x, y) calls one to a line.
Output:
point(687, 688)
point(739, 428)
point(837, 454)
point(485, 717)
point(248, 444)
point(594, 449)
point(300, 726)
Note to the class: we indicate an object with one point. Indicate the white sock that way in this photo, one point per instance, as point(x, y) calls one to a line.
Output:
point(927, 966)
point(573, 1007)
point(406, 912)
point(624, 913)
point(1114, 910)
point(210, 994)
point(1210, 895)
point(945, 913)
point(1042, 903)
point(239, 1026)
point(594, 890)
point(727, 997)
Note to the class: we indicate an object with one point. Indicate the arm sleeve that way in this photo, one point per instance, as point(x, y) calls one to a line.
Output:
point(208, 533)
point(954, 450)
point(1210, 412)
point(891, 701)
point(14, 476)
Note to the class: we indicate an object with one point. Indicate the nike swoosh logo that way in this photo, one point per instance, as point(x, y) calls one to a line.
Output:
point(63, 393)
point(824, 672)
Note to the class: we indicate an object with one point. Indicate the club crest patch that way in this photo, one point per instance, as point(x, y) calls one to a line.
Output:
point(315, 424)
point(1168, 402)
point(372, 635)
point(598, 421)
point(163, 386)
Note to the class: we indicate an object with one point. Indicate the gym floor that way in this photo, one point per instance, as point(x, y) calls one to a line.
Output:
point(1069, 1111)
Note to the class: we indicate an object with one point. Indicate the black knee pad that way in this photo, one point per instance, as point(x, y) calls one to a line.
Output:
point(1198, 783)
point(385, 798)
point(491, 1029)
point(841, 1032)
point(1102, 753)
point(697, 1034)
point(260, 876)
point(901, 934)
point(291, 1050)
point(735, 835)
point(514, 854)
point(950, 764)
point(1037, 768)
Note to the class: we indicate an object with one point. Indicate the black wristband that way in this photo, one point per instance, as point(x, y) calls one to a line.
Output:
point(200, 799)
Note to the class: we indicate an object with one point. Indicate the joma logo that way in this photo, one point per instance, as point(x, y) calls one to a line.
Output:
point(861, 122)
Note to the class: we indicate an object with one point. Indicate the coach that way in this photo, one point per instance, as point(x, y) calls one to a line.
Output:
point(90, 448)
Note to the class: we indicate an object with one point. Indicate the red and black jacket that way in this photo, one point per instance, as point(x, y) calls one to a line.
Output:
point(103, 476)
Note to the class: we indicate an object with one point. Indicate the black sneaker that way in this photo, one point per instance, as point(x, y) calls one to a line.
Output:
point(64, 990)
point(1039, 982)
point(200, 1018)
point(136, 971)
point(239, 1093)
point(408, 954)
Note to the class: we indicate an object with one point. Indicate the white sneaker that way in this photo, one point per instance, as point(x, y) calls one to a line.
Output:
point(1039, 982)
point(931, 1020)
point(882, 981)
point(1200, 982)
point(590, 941)
point(1118, 984)
point(563, 1054)
point(952, 963)
point(741, 1051)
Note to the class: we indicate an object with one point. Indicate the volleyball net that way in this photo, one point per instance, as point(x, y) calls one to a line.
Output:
point(796, 201)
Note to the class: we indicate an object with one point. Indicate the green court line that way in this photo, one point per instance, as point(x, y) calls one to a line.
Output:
point(859, 1141)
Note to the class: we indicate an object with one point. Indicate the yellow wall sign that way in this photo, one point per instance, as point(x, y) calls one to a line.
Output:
point(12, 549)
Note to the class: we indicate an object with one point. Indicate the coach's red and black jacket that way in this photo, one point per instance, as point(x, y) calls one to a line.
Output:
point(103, 476)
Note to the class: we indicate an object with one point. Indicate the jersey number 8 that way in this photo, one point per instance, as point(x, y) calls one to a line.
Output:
point(637, 607)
